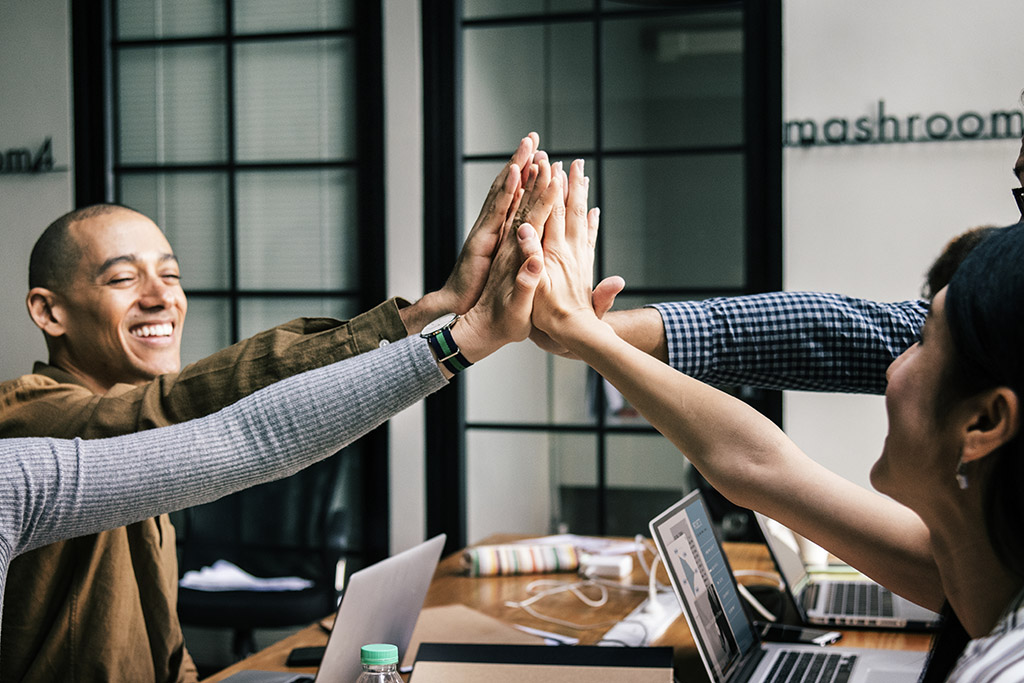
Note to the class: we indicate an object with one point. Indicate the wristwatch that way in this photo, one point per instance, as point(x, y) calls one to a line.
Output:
point(439, 335)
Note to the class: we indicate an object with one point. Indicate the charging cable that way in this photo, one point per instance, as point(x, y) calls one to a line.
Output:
point(749, 597)
point(554, 587)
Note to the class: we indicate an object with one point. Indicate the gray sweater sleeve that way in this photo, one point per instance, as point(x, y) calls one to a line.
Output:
point(59, 489)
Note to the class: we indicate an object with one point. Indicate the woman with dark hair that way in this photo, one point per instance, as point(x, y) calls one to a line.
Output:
point(946, 530)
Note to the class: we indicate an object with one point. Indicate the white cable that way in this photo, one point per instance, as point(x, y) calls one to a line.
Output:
point(652, 588)
point(771, 576)
point(653, 606)
point(642, 544)
point(561, 587)
point(754, 602)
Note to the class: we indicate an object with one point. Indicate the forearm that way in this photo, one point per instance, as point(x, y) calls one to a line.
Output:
point(790, 340)
point(642, 328)
point(67, 411)
point(749, 460)
point(80, 487)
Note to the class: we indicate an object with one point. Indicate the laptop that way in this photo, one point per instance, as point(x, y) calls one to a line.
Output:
point(725, 636)
point(380, 605)
point(839, 602)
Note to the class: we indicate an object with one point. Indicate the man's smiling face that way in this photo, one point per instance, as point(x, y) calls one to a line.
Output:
point(123, 311)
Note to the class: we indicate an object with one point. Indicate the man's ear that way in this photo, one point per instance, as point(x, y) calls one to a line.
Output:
point(996, 420)
point(46, 311)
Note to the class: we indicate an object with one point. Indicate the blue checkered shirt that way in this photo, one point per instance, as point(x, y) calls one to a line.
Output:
point(790, 340)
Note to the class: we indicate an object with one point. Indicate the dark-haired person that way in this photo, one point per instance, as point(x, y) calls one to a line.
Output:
point(52, 489)
point(952, 467)
point(105, 291)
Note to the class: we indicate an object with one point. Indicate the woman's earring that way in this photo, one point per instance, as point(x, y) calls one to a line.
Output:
point(961, 476)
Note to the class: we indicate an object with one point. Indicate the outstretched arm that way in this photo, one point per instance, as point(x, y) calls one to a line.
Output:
point(744, 455)
point(58, 489)
point(805, 341)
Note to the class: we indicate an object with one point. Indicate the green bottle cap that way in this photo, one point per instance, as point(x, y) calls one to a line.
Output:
point(378, 654)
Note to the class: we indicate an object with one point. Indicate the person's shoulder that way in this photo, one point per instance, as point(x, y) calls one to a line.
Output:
point(31, 402)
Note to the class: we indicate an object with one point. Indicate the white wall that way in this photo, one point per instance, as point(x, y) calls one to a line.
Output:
point(404, 178)
point(867, 221)
point(35, 72)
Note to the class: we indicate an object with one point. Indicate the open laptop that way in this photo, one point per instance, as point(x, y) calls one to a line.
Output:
point(380, 605)
point(839, 602)
point(725, 636)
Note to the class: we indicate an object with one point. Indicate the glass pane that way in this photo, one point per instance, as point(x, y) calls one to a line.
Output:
point(674, 222)
point(673, 81)
point(477, 177)
point(295, 100)
point(528, 78)
point(477, 9)
point(493, 460)
point(207, 328)
point(171, 105)
point(258, 314)
point(542, 388)
point(141, 19)
point(574, 473)
point(264, 16)
point(658, 5)
point(297, 230)
point(192, 209)
point(645, 474)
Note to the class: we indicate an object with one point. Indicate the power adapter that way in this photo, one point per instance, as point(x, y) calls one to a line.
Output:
point(606, 566)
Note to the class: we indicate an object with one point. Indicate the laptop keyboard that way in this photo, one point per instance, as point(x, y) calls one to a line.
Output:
point(797, 667)
point(860, 599)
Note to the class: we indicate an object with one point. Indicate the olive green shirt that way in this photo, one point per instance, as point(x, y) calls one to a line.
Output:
point(102, 607)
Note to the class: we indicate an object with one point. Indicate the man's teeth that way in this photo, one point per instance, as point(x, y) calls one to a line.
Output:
point(163, 330)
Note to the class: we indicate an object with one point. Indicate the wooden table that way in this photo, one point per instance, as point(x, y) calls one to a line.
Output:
point(488, 595)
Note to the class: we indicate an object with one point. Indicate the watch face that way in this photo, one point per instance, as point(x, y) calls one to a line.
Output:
point(445, 320)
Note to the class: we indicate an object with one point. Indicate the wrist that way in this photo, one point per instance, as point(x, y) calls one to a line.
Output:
point(475, 340)
point(445, 348)
point(643, 328)
point(575, 332)
point(418, 315)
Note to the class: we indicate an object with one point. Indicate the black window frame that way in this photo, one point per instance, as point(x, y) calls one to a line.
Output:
point(762, 95)
point(94, 46)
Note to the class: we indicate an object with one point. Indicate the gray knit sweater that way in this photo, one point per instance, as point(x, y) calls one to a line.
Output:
point(54, 489)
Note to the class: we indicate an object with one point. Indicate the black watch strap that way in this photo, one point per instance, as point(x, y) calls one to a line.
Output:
point(447, 351)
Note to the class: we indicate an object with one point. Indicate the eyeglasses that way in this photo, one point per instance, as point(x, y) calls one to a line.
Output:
point(1018, 196)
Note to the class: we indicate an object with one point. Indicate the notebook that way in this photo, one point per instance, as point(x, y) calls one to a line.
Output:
point(723, 632)
point(838, 602)
point(380, 605)
point(476, 662)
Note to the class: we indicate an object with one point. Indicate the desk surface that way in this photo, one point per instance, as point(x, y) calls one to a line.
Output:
point(488, 595)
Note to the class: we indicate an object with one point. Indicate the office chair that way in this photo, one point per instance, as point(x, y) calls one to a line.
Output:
point(302, 526)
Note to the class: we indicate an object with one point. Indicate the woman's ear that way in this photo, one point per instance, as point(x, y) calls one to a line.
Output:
point(45, 310)
point(995, 421)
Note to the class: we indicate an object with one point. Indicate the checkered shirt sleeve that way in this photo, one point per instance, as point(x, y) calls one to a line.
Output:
point(790, 340)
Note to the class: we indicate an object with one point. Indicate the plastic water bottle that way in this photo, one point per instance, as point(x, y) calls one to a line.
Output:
point(380, 664)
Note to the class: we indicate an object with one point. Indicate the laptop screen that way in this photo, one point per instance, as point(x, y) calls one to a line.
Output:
point(782, 547)
point(703, 581)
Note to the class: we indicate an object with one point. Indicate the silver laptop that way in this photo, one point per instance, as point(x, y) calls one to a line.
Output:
point(838, 602)
point(380, 605)
point(725, 636)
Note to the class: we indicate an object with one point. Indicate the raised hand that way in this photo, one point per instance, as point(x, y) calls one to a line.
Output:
point(466, 281)
point(565, 296)
point(502, 313)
